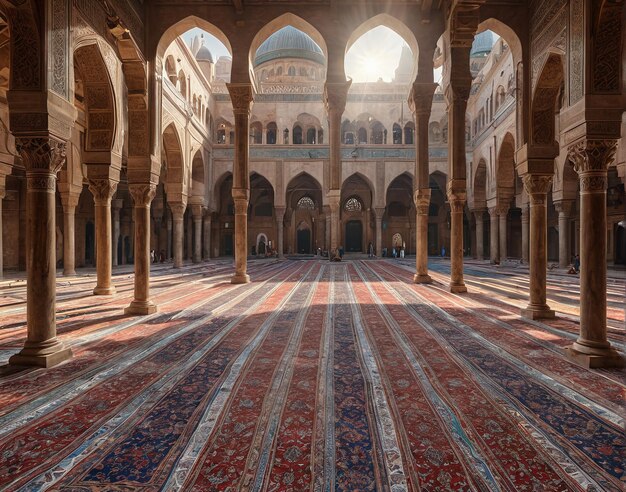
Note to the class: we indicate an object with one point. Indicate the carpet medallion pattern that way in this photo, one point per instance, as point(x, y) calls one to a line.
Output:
point(313, 377)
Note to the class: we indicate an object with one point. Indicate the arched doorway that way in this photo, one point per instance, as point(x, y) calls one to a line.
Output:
point(303, 239)
point(354, 236)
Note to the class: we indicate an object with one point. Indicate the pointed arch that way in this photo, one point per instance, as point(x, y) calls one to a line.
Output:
point(480, 185)
point(198, 175)
point(505, 170)
point(545, 99)
point(174, 155)
point(184, 25)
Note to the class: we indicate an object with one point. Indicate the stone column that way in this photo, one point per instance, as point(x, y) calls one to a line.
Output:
point(564, 208)
point(457, 203)
point(480, 233)
point(142, 197)
point(241, 97)
point(169, 227)
point(591, 159)
point(537, 187)
point(525, 232)
point(420, 102)
point(206, 248)
point(280, 230)
point(328, 227)
point(69, 202)
point(197, 231)
point(335, 96)
point(503, 213)
point(379, 230)
point(42, 158)
point(102, 191)
point(494, 244)
point(116, 205)
point(178, 214)
point(189, 240)
point(2, 195)
point(422, 205)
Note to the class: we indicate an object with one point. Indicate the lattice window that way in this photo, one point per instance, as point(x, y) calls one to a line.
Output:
point(353, 205)
point(306, 203)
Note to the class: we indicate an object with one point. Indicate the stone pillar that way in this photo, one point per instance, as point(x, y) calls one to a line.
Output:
point(537, 187)
point(494, 244)
point(189, 239)
point(178, 215)
point(591, 159)
point(142, 197)
point(422, 205)
point(379, 231)
point(525, 232)
point(564, 208)
point(42, 158)
point(420, 102)
point(503, 213)
point(328, 219)
point(206, 247)
point(102, 191)
point(241, 97)
point(116, 205)
point(69, 202)
point(169, 227)
point(2, 195)
point(197, 231)
point(280, 230)
point(456, 199)
point(335, 96)
point(480, 233)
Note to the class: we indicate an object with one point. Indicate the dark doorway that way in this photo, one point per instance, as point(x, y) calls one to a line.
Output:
point(620, 244)
point(304, 241)
point(433, 239)
point(90, 242)
point(228, 244)
point(120, 256)
point(128, 250)
point(553, 244)
point(354, 236)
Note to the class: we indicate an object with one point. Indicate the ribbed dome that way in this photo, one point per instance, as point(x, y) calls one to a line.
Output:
point(483, 43)
point(288, 42)
point(204, 54)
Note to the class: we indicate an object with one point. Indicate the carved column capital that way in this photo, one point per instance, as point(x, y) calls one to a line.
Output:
point(464, 23)
point(564, 207)
point(102, 190)
point(421, 97)
point(69, 201)
point(537, 187)
point(41, 155)
point(240, 194)
point(178, 209)
point(280, 213)
point(142, 194)
point(196, 211)
point(241, 96)
point(591, 158)
point(456, 190)
point(336, 95)
point(421, 199)
point(478, 213)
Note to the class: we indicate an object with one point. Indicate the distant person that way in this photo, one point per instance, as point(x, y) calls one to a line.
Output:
point(370, 249)
point(577, 263)
point(443, 251)
point(341, 252)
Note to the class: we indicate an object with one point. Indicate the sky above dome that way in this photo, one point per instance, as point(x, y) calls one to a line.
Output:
point(215, 46)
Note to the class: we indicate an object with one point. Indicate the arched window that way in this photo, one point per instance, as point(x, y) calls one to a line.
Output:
point(378, 133)
point(320, 136)
point(270, 136)
point(434, 132)
point(409, 131)
point(279, 71)
point(353, 204)
point(170, 69)
point(306, 203)
point(362, 134)
point(182, 83)
point(256, 131)
point(291, 71)
point(397, 134)
point(310, 136)
point(195, 104)
point(297, 135)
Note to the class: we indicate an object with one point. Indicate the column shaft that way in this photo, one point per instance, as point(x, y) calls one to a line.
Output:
point(502, 231)
point(494, 234)
point(525, 232)
point(457, 203)
point(103, 190)
point(480, 235)
point(241, 239)
point(422, 205)
point(206, 248)
point(142, 197)
point(197, 244)
point(2, 195)
point(178, 212)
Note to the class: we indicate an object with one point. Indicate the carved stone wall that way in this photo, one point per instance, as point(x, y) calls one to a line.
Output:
point(59, 48)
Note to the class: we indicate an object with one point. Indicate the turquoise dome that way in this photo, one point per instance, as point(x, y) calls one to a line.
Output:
point(288, 42)
point(483, 43)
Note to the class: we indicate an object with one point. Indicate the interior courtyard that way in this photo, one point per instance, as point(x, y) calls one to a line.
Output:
point(312, 245)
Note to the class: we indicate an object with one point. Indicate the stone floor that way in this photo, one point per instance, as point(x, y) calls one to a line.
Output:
point(315, 376)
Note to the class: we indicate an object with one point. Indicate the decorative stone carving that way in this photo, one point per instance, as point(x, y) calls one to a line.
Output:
point(178, 209)
point(41, 154)
point(242, 97)
point(607, 47)
point(577, 46)
point(25, 49)
point(336, 95)
point(142, 194)
point(421, 97)
point(59, 43)
point(537, 187)
point(102, 190)
point(592, 155)
point(421, 198)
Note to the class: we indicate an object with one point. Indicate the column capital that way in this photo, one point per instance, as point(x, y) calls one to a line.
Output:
point(537, 184)
point(117, 204)
point(280, 213)
point(241, 96)
point(464, 23)
point(41, 154)
point(178, 209)
point(69, 200)
point(379, 212)
point(142, 194)
point(564, 207)
point(591, 155)
point(421, 97)
point(456, 190)
point(196, 211)
point(421, 199)
point(240, 194)
point(336, 95)
point(102, 190)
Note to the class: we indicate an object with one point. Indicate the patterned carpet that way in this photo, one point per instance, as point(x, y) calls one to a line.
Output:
point(314, 377)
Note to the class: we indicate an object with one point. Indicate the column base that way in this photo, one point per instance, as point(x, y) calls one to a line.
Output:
point(538, 312)
point(239, 278)
point(140, 308)
point(104, 291)
point(610, 358)
point(422, 278)
point(458, 288)
point(44, 354)
point(69, 274)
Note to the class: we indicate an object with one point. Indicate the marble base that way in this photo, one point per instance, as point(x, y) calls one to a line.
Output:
point(458, 289)
point(611, 358)
point(104, 291)
point(539, 312)
point(69, 274)
point(48, 357)
point(140, 308)
point(422, 279)
point(240, 279)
